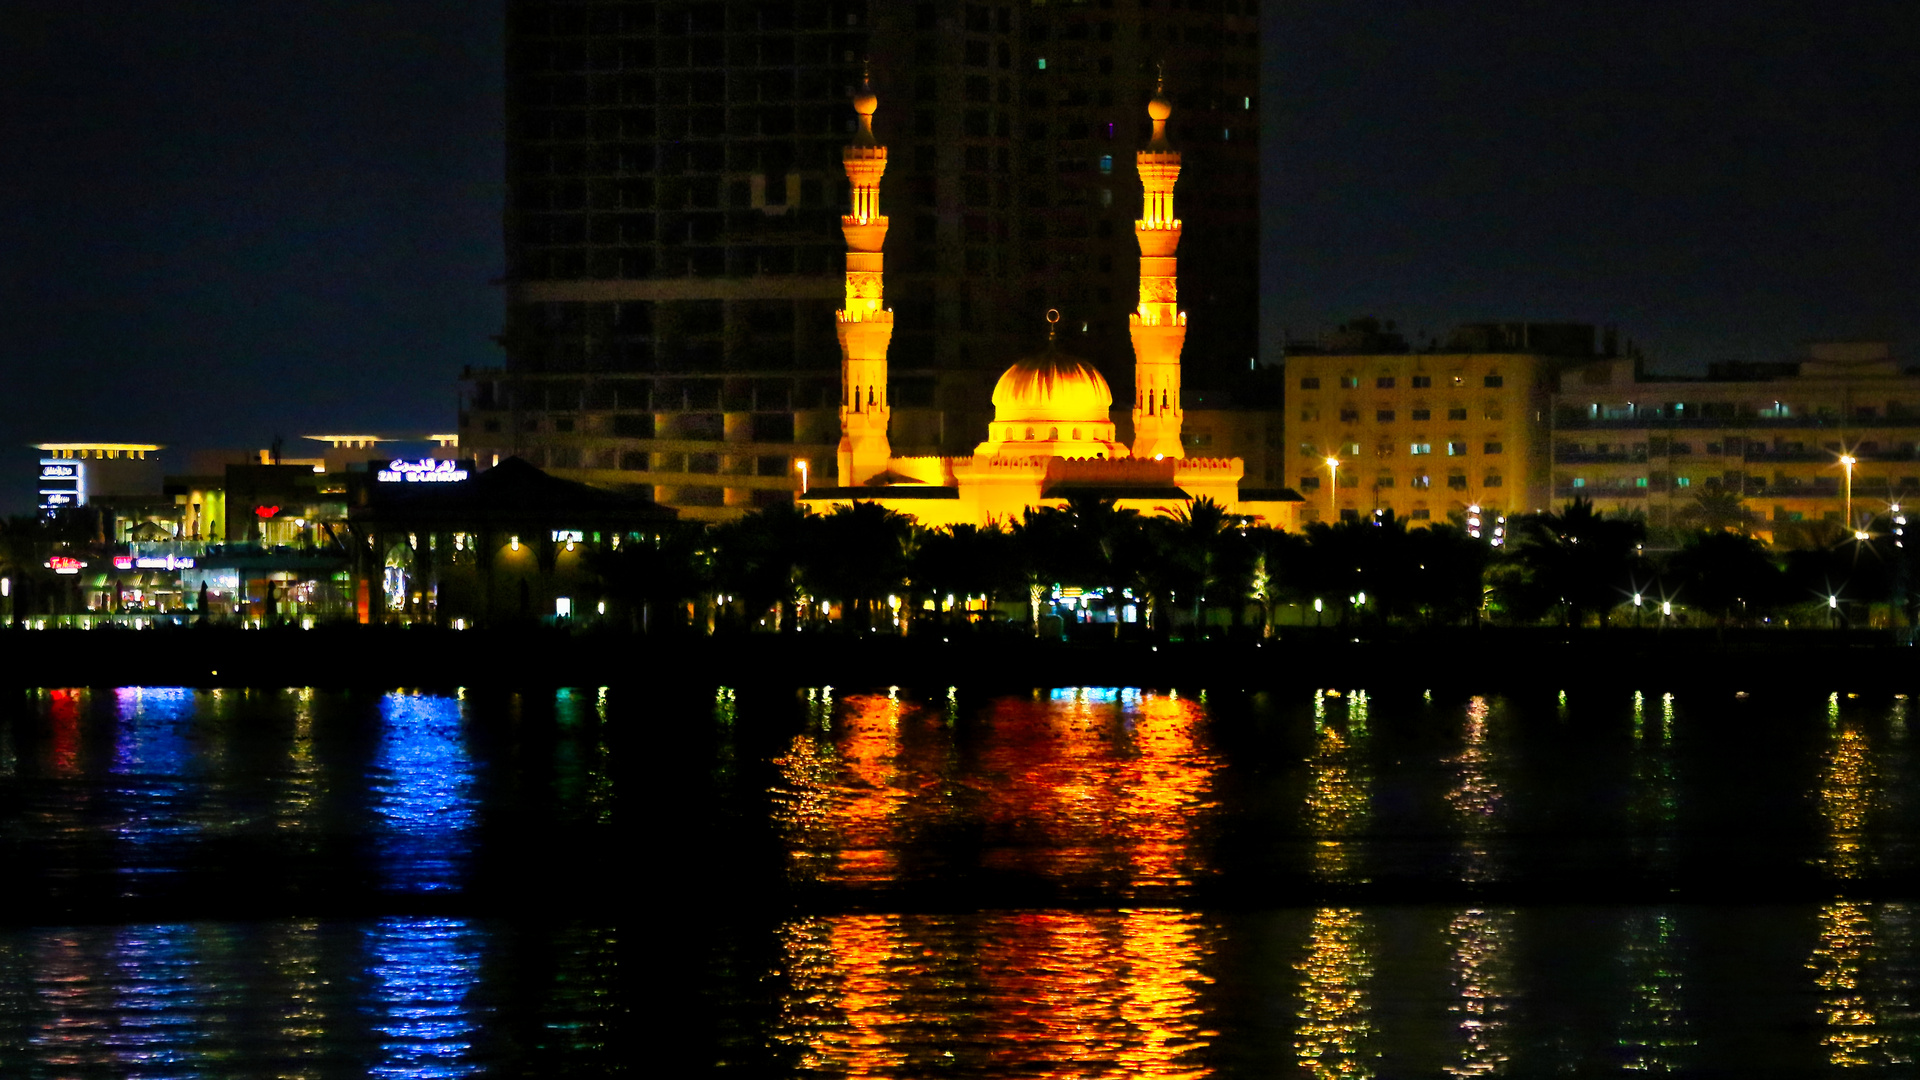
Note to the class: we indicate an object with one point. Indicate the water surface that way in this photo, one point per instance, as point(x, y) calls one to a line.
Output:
point(1071, 883)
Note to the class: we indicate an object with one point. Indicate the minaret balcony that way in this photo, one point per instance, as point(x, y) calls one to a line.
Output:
point(1145, 318)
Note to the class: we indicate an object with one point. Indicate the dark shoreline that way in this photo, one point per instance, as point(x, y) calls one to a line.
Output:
point(1489, 659)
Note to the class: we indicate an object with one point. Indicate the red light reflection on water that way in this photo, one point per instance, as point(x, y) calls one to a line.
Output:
point(64, 708)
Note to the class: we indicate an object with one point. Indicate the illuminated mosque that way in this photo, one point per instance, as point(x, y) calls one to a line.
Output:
point(1053, 433)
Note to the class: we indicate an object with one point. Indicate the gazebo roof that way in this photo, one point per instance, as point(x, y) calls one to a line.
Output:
point(511, 494)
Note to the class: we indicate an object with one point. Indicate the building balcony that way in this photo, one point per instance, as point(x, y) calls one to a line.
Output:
point(1568, 491)
point(1562, 422)
point(1790, 457)
point(1589, 458)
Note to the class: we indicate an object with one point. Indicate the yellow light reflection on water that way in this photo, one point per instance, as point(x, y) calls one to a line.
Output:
point(1331, 1038)
point(1846, 797)
point(1475, 795)
point(1838, 962)
point(1480, 977)
point(1339, 791)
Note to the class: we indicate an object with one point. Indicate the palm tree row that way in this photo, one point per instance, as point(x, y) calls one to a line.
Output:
point(862, 568)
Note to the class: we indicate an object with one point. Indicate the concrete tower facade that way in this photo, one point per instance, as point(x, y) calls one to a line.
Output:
point(865, 324)
point(1158, 326)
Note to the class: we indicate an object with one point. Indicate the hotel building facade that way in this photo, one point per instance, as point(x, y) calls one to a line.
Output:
point(1832, 436)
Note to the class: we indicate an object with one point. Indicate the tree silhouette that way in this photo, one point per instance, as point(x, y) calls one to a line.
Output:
point(1725, 574)
point(1576, 559)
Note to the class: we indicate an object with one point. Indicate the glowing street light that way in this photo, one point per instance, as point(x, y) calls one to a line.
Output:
point(1333, 489)
point(1846, 461)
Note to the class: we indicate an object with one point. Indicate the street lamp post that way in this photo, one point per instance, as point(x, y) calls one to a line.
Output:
point(1333, 490)
point(1846, 461)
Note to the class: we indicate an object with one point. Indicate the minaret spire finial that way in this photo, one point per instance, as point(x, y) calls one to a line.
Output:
point(1053, 321)
point(865, 102)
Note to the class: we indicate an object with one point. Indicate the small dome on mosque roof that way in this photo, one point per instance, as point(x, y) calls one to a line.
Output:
point(865, 101)
point(1159, 108)
point(1053, 388)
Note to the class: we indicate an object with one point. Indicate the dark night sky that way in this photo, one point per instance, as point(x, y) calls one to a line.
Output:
point(220, 221)
point(1719, 179)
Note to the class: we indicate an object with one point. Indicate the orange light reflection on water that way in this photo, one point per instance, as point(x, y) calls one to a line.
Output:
point(1090, 783)
point(1036, 994)
point(1081, 784)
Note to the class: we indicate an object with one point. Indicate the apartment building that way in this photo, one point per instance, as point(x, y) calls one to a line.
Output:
point(1828, 438)
point(1428, 433)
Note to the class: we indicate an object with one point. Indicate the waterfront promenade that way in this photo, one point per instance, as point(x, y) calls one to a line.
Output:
point(1456, 658)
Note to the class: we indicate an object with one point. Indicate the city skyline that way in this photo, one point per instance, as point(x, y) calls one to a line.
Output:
point(224, 227)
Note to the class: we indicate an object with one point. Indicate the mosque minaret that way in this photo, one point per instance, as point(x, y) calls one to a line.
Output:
point(1159, 327)
point(865, 325)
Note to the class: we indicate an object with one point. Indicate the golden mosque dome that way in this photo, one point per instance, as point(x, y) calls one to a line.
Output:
point(1052, 388)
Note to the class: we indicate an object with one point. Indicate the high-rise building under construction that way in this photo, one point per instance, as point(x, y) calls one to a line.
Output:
point(675, 187)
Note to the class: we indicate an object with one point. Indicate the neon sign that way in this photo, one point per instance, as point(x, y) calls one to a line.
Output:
point(58, 470)
point(152, 562)
point(265, 511)
point(424, 471)
point(65, 564)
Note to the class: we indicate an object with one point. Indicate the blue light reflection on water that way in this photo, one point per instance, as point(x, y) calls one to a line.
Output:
point(423, 792)
point(425, 974)
point(158, 764)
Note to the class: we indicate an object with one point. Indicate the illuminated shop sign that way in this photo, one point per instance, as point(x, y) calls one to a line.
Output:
point(152, 562)
point(59, 483)
point(424, 471)
point(65, 564)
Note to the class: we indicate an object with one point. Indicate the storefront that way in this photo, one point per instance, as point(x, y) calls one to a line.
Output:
point(438, 542)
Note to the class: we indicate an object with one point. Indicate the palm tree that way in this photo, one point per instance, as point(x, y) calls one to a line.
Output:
point(1576, 558)
point(863, 556)
point(1107, 542)
point(962, 560)
point(1042, 540)
point(1724, 573)
point(25, 544)
point(1195, 541)
point(653, 574)
point(1718, 511)
point(762, 557)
